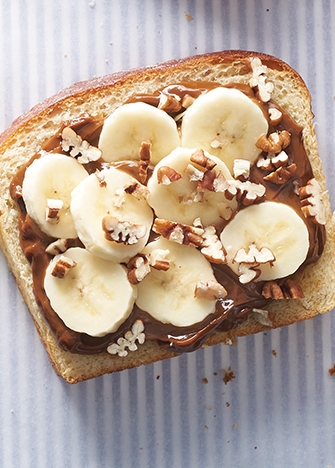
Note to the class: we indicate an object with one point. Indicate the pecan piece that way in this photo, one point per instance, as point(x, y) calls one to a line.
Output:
point(145, 156)
point(198, 157)
point(275, 142)
point(281, 175)
point(179, 233)
point(122, 231)
point(52, 210)
point(211, 290)
point(138, 268)
point(166, 175)
point(312, 203)
point(169, 104)
point(63, 266)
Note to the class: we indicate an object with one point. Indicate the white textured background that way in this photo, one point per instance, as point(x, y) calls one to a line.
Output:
point(281, 409)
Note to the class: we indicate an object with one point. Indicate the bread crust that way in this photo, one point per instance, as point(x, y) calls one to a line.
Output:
point(100, 96)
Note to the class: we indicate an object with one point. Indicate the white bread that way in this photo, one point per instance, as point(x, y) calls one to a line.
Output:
point(101, 96)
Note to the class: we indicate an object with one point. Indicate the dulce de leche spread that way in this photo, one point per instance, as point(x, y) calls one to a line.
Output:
point(282, 182)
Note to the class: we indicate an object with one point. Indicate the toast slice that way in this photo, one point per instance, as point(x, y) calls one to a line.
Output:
point(100, 97)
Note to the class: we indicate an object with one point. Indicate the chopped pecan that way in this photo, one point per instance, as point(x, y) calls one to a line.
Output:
point(275, 116)
point(241, 169)
point(166, 175)
point(254, 255)
point(281, 175)
point(101, 178)
point(248, 273)
point(137, 190)
point(169, 103)
point(179, 233)
point(198, 157)
point(275, 142)
point(158, 259)
point(52, 210)
point(212, 247)
point(129, 340)
point(62, 266)
point(263, 317)
point(258, 79)
point(312, 203)
point(122, 231)
point(57, 247)
point(193, 173)
point(211, 290)
point(71, 142)
point(207, 182)
point(145, 156)
point(272, 161)
point(289, 290)
point(187, 101)
point(138, 268)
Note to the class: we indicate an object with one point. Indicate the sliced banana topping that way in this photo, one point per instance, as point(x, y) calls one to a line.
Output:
point(130, 125)
point(110, 222)
point(226, 123)
point(94, 296)
point(270, 237)
point(46, 192)
point(181, 188)
point(170, 296)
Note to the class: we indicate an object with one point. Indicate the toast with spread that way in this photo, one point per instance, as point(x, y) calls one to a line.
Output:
point(152, 212)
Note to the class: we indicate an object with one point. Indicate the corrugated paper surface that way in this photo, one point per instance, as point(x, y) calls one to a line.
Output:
point(279, 411)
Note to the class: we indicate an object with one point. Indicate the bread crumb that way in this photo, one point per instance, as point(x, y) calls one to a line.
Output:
point(274, 353)
point(228, 376)
point(227, 404)
point(235, 426)
point(206, 427)
point(188, 17)
point(332, 370)
point(205, 381)
point(215, 373)
point(158, 376)
point(209, 408)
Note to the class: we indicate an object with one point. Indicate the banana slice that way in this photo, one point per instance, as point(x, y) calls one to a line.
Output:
point(111, 223)
point(226, 123)
point(269, 225)
point(131, 124)
point(46, 192)
point(94, 297)
point(174, 195)
point(169, 296)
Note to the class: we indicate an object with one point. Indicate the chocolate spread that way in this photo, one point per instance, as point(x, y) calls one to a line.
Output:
point(240, 299)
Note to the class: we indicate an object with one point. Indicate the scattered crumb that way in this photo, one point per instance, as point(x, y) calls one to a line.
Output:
point(255, 448)
point(205, 381)
point(92, 4)
point(235, 426)
point(265, 333)
point(215, 373)
point(227, 404)
point(188, 17)
point(266, 10)
point(274, 353)
point(65, 55)
point(158, 376)
point(228, 441)
point(332, 370)
point(228, 376)
point(206, 427)
point(209, 407)
point(106, 60)
point(111, 43)
point(223, 393)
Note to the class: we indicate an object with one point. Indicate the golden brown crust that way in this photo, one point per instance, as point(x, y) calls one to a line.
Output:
point(21, 140)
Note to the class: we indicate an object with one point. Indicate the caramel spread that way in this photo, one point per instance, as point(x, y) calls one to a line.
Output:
point(240, 299)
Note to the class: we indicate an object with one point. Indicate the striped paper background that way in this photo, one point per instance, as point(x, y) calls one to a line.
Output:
point(279, 411)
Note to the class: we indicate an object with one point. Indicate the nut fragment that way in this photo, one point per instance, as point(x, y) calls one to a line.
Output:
point(275, 116)
point(71, 142)
point(275, 142)
point(198, 157)
point(169, 103)
point(62, 266)
point(262, 316)
point(52, 210)
point(137, 190)
point(273, 161)
point(258, 79)
point(254, 255)
point(166, 175)
point(158, 259)
point(193, 173)
point(129, 340)
point(241, 169)
point(281, 175)
point(187, 101)
point(122, 231)
point(101, 178)
point(211, 290)
point(138, 268)
point(212, 247)
point(245, 192)
point(179, 233)
point(247, 273)
point(145, 156)
point(57, 247)
point(289, 290)
point(312, 203)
